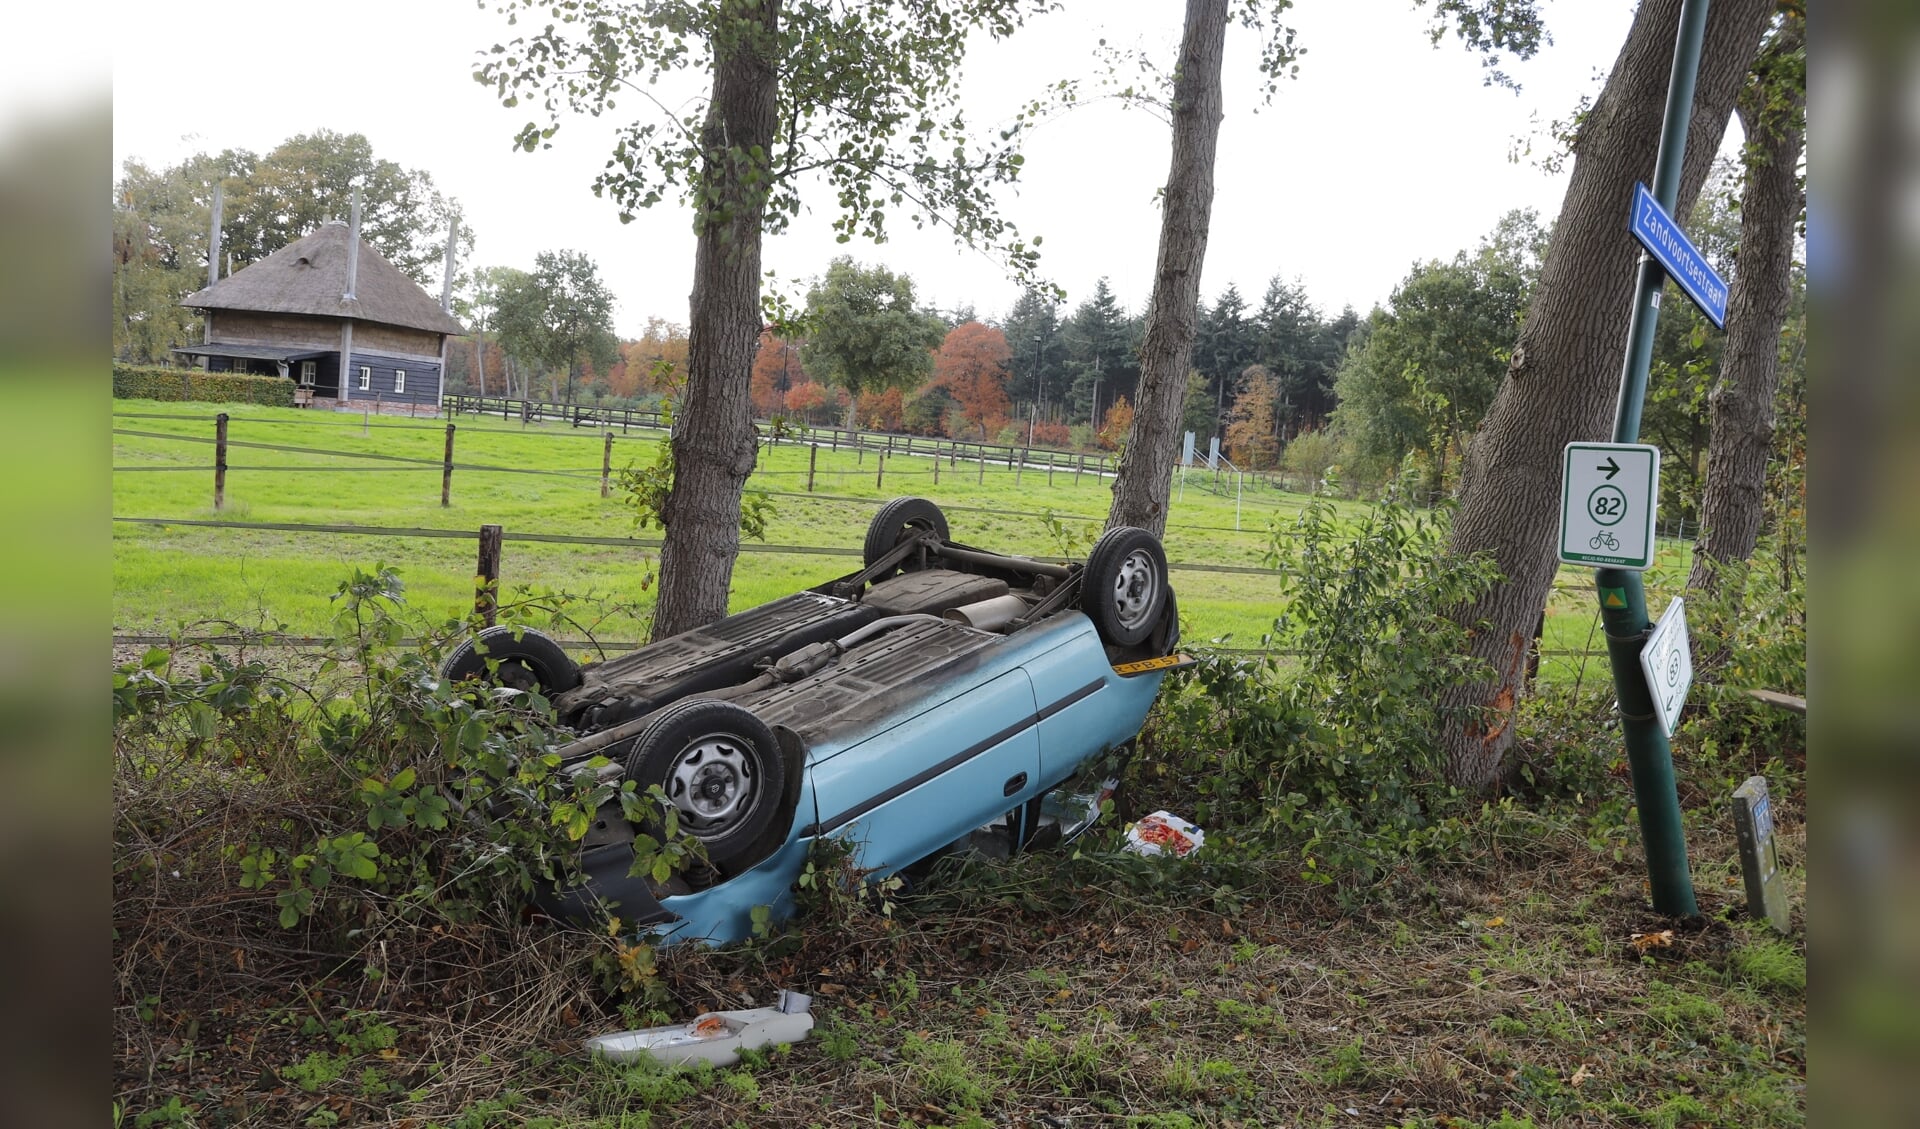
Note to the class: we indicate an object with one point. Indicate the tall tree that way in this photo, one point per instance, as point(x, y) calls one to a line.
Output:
point(1286, 328)
point(1226, 342)
point(1430, 366)
point(1101, 359)
point(1563, 375)
point(864, 331)
point(862, 94)
point(161, 219)
point(1038, 360)
point(309, 178)
point(1772, 111)
point(576, 315)
point(1141, 489)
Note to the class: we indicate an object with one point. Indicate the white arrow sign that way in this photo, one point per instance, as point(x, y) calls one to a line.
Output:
point(1609, 497)
point(1667, 661)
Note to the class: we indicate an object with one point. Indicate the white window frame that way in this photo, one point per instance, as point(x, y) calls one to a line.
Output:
point(309, 373)
point(399, 380)
point(366, 378)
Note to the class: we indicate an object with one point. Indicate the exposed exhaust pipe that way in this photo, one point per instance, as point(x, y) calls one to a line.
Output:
point(987, 615)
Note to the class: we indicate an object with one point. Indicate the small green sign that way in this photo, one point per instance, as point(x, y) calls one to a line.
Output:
point(1613, 597)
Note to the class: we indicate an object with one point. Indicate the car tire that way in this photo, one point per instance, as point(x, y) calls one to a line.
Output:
point(899, 519)
point(520, 654)
point(720, 766)
point(1124, 587)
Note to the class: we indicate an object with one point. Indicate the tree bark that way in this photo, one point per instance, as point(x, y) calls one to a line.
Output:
point(1563, 380)
point(1143, 485)
point(713, 439)
point(1741, 405)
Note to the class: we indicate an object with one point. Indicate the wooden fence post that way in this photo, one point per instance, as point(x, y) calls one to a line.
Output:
point(1049, 470)
point(446, 472)
point(1078, 466)
point(606, 465)
point(880, 474)
point(1019, 470)
point(983, 467)
point(220, 461)
point(813, 457)
point(488, 577)
point(936, 468)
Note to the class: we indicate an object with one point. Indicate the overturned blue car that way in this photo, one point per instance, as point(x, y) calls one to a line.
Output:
point(942, 696)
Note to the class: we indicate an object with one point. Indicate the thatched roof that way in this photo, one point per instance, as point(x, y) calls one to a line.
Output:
point(309, 276)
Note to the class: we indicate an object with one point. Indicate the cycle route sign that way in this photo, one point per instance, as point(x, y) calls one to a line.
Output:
point(1609, 497)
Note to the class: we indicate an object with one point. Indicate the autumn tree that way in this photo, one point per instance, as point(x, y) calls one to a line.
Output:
point(884, 410)
point(657, 362)
point(1563, 373)
point(1252, 427)
point(861, 94)
point(804, 399)
point(776, 368)
point(972, 364)
point(1115, 423)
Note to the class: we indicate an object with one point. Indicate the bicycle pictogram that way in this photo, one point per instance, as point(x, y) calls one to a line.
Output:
point(1604, 539)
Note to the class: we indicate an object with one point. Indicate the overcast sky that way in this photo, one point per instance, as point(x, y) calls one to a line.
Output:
point(1385, 151)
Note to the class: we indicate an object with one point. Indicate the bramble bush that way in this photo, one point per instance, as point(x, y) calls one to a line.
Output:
point(373, 798)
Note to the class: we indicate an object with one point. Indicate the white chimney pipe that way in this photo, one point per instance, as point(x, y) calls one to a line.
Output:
point(353, 252)
point(446, 285)
point(213, 240)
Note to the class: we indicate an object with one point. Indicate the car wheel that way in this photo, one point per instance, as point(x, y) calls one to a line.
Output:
point(524, 659)
point(1124, 586)
point(898, 520)
point(719, 766)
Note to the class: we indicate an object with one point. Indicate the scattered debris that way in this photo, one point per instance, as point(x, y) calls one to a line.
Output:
point(1163, 831)
point(1646, 941)
point(717, 1037)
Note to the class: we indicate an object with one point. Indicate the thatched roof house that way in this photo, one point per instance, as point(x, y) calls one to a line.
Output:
point(322, 306)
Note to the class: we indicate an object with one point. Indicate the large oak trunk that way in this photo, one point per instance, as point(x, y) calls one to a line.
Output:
point(1563, 380)
point(1742, 401)
point(1140, 490)
point(713, 438)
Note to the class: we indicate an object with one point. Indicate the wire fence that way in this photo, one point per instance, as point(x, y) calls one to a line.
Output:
point(860, 443)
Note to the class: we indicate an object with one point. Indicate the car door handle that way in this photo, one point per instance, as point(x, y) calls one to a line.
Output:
point(1015, 783)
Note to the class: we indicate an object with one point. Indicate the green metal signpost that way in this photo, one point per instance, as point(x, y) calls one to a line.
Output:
point(1623, 599)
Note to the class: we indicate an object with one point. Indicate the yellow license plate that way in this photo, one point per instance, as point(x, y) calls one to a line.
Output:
point(1148, 666)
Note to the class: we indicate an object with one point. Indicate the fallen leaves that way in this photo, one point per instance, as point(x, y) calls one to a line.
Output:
point(1646, 942)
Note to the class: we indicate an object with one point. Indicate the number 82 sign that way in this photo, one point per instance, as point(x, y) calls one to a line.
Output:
point(1609, 497)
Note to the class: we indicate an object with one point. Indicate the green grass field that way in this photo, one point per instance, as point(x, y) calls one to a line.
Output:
point(543, 479)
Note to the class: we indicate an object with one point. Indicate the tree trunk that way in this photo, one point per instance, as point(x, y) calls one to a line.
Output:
point(1563, 381)
point(1141, 490)
point(1742, 399)
point(713, 439)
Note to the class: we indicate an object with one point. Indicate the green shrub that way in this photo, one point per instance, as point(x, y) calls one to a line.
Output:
point(1330, 750)
point(158, 382)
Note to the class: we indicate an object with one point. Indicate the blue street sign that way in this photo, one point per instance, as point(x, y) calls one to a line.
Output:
point(1683, 262)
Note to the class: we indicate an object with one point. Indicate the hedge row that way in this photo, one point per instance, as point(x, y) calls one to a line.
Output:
point(157, 382)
